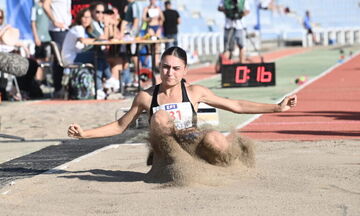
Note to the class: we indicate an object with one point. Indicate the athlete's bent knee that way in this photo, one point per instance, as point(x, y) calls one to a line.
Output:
point(161, 120)
point(216, 140)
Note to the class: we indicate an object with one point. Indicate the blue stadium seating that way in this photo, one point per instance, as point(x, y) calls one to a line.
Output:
point(327, 13)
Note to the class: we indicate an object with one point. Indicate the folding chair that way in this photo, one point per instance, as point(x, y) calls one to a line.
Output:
point(7, 82)
point(65, 79)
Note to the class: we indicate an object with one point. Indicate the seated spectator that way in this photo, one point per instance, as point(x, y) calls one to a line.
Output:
point(105, 28)
point(119, 58)
point(75, 51)
point(24, 69)
point(9, 37)
point(98, 25)
point(10, 47)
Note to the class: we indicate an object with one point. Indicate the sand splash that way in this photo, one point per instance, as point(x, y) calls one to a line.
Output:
point(182, 159)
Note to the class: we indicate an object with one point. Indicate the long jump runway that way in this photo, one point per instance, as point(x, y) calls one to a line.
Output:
point(53, 156)
point(328, 108)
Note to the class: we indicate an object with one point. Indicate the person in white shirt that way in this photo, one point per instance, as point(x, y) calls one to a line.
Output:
point(59, 13)
point(75, 51)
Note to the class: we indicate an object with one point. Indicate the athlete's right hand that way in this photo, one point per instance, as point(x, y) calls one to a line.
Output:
point(75, 131)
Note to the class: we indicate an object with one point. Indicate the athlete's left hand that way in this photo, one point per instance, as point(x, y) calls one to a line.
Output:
point(288, 103)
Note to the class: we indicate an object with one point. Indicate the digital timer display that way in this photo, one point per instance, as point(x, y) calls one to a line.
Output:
point(247, 75)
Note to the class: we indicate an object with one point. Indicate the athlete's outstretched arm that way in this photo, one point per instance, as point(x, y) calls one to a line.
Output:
point(113, 128)
point(244, 106)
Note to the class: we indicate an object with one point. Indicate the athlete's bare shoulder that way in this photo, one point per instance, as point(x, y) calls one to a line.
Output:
point(196, 89)
point(150, 90)
point(196, 92)
point(144, 94)
point(143, 98)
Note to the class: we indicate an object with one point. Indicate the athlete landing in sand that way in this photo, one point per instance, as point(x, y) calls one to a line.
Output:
point(172, 107)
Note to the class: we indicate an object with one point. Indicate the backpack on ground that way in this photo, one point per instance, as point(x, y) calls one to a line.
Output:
point(81, 84)
point(234, 9)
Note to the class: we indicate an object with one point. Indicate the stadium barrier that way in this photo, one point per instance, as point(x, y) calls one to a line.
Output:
point(212, 43)
point(333, 36)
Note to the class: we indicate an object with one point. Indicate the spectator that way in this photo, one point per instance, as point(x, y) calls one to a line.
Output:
point(113, 19)
point(59, 13)
point(103, 29)
point(40, 29)
point(117, 56)
point(233, 31)
point(74, 50)
point(154, 18)
point(171, 22)
point(9, 37)
point(23, 68)
point(131, 23)
point(308, 26)
point(130, 27)
point(100, 28)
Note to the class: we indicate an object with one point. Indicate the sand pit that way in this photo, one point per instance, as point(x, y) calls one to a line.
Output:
point(290, 178)
point(180, 160)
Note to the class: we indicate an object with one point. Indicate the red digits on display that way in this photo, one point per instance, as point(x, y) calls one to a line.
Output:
point(241, 75)
point(262, 75)
point(247, 75)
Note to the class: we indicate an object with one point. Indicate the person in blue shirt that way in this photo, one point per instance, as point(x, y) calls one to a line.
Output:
point(308, 26)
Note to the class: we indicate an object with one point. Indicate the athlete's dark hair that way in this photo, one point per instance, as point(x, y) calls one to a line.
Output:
point(177, 52)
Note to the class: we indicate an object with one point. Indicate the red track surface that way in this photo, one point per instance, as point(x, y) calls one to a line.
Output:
point(328, 108)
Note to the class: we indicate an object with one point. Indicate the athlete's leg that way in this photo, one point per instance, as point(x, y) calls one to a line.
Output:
point(229, 37)
point(217, 149)
point(161, 126)
point(216, 140)
point(240, 41)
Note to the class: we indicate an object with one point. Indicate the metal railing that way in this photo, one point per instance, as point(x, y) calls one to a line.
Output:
point(333, 36)
point(212, 43)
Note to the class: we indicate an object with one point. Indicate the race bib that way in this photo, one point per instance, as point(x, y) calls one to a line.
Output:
point(181, 113)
